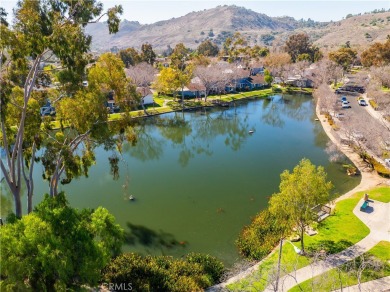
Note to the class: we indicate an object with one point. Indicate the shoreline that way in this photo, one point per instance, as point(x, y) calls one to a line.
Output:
point(369, 179)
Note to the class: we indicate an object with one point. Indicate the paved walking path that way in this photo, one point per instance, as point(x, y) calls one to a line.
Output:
point(379, 285)
point(376, 217)
point(369, 180)
point(376, 114)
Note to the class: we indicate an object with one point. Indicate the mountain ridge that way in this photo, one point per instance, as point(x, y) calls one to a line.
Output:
point(222, 21)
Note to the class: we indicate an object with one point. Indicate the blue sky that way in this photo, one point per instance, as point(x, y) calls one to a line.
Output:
point(149, 11)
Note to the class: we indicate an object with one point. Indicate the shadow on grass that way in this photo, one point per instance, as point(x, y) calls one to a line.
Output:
point(329, 246)
point(138, 234)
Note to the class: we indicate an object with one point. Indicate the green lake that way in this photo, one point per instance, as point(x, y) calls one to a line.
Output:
point(199, 177)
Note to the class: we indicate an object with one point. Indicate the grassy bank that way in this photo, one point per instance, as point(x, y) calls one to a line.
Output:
point(346, 275)
point(339, 231)
point(160, 108)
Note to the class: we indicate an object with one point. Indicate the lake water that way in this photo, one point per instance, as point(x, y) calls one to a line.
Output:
point(198, 182)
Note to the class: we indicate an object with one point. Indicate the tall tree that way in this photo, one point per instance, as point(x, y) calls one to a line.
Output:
point(166, 81)
point(208, 48)
point(299, 192)
point(40, 28)
point(233, 46)
point(179, 56)
point(147, 54)
point(130, 57)
point(300, 44)
point(343, 57)
point(377, 54)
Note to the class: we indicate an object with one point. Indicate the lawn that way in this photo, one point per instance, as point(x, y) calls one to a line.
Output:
point(347, 275)
point(160, 109)
point(339, 231)
point(380, 194)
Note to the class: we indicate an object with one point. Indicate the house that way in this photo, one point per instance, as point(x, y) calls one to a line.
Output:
point(146, 95)
point(239, 80)
point(257, 81)
point(256, 70)
point(110, 103)
point(299, 81)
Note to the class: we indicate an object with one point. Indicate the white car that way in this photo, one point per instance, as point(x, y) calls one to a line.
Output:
point(362, 102)
point(345, 105)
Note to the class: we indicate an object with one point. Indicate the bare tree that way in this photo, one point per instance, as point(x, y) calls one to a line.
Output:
point(279, 65)
point(326, 71)
point(381, 74)
point(327, 99)
point(141, 74)
point(363, 263)
point(210, 77)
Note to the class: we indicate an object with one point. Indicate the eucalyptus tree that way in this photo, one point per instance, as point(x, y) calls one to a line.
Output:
point(40, 29)
point(299, 191)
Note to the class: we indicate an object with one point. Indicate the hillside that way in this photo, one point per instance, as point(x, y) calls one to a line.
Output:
point(361, 31)
point(223, 21)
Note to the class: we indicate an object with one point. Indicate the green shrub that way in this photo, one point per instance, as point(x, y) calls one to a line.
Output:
point(380, 169)
point(260, 237)
point(276, 89)
point(164, 273)
point(210, 265)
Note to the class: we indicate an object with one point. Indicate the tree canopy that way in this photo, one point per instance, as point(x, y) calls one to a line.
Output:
point(41, 29)
point(194, 272)
point(130, 57)
point(377, 54)
point(147, 54)
point(208, 48)
point(57, 247)
point(300, 191)
point(343, 57)
point(299, 47)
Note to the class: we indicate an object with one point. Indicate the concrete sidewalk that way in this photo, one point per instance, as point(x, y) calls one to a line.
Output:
point(380, 285)
point(376, 217)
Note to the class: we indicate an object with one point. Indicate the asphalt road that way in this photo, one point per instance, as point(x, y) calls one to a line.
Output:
point(360, 112)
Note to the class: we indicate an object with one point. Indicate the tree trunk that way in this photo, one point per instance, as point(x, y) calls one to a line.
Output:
point(18, 202)
point(143, 107)
point(279, 264)
point(302, 230)
point(182, 98)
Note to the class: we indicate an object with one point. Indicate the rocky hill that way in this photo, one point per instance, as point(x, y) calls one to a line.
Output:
point(220, 22)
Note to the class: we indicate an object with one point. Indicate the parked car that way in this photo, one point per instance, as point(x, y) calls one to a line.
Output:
point(344, 99)
point(345, 105)
point(362, 102)
point(340, 116)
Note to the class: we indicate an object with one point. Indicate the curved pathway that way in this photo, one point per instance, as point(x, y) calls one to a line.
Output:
point(379, 285)
point(369, 179)
point(376, 217)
